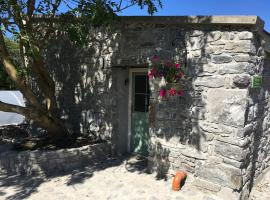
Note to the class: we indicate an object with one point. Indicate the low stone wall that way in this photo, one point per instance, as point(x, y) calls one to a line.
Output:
point(50, 162)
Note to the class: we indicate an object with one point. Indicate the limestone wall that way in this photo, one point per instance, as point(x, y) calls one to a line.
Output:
point(203, 132)
point(84, 82)
point(218, 132)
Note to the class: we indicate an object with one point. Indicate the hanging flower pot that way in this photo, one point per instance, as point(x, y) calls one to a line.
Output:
point(171, 73)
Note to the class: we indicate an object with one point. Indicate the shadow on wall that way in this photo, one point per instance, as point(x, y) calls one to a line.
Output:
point(84, 81)
point(175, 121)
point(260, 131)
point(84, 91)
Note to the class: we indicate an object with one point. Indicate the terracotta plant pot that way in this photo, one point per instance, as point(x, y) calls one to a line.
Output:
point(180, 176)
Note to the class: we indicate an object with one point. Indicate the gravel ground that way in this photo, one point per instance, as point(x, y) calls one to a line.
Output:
point(116, 180)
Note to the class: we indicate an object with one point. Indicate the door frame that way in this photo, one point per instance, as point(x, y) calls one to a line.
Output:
point(131, 71)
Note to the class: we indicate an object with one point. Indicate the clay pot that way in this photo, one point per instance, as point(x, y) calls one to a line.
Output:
point(180, 176)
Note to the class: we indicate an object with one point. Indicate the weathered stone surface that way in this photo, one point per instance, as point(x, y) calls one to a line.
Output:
point(218, 43)
point(220, 174)
point(213, 36)
point(227, 106)
point(230, 151)
point(244, 58)
point(198, 113)
point(196, 33)
point(241, 142)
point(195, 43)
point(215, 50)
point(240, 47)
point(245, 35)
point(210, 81)
point(193, 153)
point(206, 185)
point(220, 59)
point(237, 68)
point(241, 81)
point(233, 163)
point(215, 128)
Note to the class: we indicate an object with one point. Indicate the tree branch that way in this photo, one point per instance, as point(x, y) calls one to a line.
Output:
point(30, 7)
point(17, 14)
point(6, 107)
point(13, 73)
point(123, 8)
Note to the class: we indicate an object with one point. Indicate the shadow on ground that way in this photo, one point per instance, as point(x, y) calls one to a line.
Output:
point(25, 185)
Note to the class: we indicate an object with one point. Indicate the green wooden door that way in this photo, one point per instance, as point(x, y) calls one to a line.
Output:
point(139, 114)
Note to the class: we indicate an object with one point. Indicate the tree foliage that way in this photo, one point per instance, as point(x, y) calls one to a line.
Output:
point(20, 20)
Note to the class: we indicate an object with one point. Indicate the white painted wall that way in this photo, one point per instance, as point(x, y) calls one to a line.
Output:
point(12, 97)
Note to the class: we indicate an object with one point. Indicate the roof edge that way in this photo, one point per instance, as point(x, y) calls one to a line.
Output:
point(216, 20)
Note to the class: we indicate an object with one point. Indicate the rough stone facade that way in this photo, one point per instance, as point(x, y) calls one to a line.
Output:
point(52, 162)
point(219, 132)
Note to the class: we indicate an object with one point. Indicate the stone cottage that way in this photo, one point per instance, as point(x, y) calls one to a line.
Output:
point(219, 131)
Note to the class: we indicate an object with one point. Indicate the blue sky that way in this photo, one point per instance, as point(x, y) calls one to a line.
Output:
point(211, 7)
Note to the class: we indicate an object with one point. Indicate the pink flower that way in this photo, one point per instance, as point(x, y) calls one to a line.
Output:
point(155, 58)
point(172, 91)
point(180, 93)
point(152, 72)
point(177, 65)
point(162, 92)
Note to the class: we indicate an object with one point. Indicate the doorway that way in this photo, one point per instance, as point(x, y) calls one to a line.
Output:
point(139, 94)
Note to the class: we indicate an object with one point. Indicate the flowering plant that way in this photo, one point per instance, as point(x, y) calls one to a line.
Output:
point(172, 73)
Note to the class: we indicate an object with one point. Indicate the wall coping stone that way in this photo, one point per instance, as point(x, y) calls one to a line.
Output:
point(215, 20)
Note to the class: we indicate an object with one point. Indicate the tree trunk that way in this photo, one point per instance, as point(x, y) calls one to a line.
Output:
point(54, 126)
point(43, 115)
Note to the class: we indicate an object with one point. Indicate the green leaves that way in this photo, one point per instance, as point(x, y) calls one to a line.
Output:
point(152, 5)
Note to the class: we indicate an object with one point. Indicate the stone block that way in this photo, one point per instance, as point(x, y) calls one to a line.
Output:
point(210, 81)
point(220, 174)
point(230, 151)
point(240, 47)
point(220, 59)
point(226, 106)
point(213, 36)
point(206, 185)
point(195, 43)
point(236, 68)
point(241, 81)
point(193, 153)
point(245, 35)
point(240, 142)
point(215, 50)
point(244, 58)
point(198, 113)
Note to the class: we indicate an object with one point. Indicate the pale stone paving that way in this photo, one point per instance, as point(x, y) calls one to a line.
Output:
point(112, 183)
point(262, 190)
